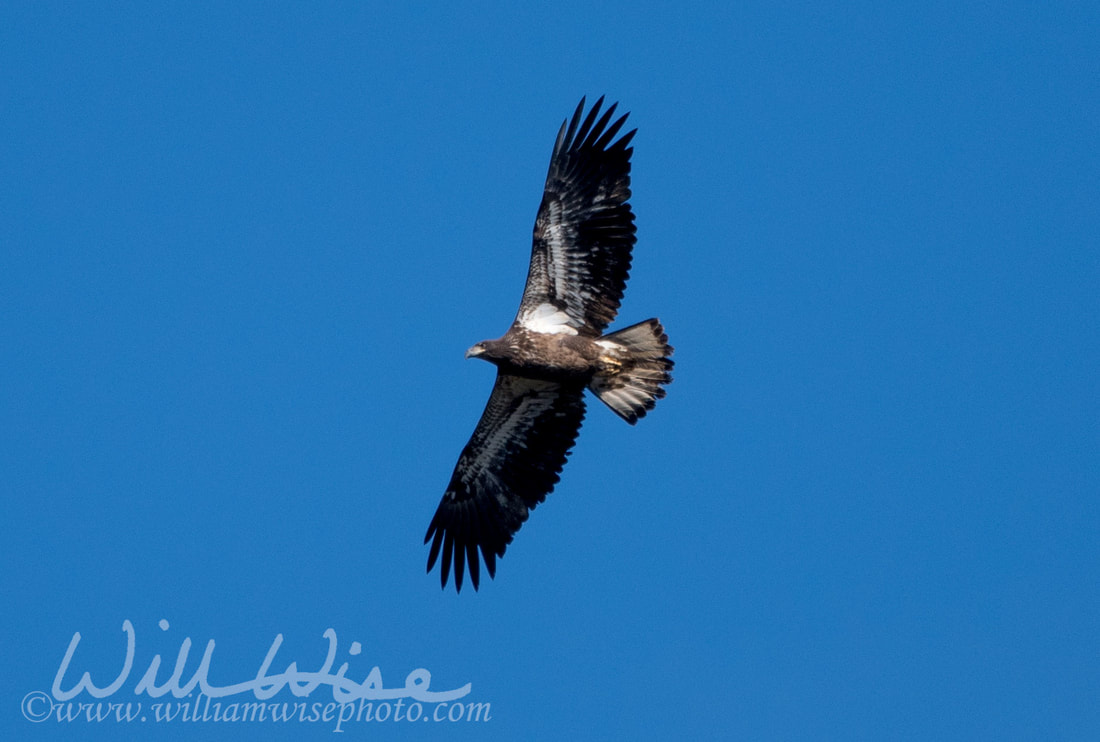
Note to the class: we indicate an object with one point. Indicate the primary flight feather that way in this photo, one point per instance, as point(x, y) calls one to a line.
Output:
point(554, 350)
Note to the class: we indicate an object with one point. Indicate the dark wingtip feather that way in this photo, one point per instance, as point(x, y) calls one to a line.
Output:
point(433, 553)
point(490, 560)
point(567, 140)
point(460, 566)
point(582, 133)
point(624, 142)
point(471, 560)
point(445, 567)
point(612, 130)
point(596, 136)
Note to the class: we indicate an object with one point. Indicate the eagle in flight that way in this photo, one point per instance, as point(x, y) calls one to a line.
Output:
point(555, 348)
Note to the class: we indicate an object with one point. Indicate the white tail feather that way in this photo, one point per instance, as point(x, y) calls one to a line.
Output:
point(637, 364)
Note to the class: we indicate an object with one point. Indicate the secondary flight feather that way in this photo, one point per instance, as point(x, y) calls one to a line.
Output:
point(554, 350)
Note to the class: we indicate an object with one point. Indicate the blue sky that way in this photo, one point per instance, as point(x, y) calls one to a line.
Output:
point(242, 252)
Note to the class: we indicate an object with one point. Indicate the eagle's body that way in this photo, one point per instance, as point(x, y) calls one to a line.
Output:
point(554, 350)
point(541, 356)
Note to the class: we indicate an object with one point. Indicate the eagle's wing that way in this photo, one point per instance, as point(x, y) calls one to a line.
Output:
point(584, 230)
point(509, 466)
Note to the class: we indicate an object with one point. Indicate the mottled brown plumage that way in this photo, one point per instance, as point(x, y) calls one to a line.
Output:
point(554, 350)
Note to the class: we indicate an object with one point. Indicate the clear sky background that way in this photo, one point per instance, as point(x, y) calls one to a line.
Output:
point(242, 252)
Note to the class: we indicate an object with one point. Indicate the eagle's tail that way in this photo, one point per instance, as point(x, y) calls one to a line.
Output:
point(635, 366)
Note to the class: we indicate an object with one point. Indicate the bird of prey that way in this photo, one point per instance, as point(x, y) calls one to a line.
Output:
point(555, 348)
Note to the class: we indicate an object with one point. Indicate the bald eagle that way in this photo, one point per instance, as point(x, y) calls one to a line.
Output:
point(555, 348)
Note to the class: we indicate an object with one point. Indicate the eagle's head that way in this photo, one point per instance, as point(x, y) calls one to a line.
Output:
point(476, 350)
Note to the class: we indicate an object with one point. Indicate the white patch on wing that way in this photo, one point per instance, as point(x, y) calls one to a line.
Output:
point(556, 254)
point(548, 320)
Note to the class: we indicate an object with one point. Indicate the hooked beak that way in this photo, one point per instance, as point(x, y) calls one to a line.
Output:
point(475, 351)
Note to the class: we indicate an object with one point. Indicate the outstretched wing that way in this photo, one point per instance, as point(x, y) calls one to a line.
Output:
point(509, 466)
point(584, 230)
